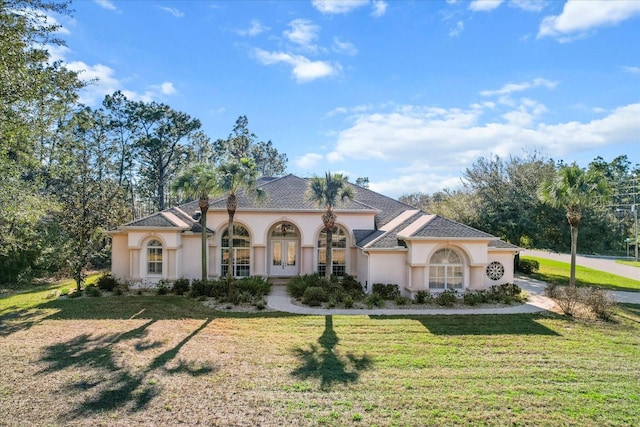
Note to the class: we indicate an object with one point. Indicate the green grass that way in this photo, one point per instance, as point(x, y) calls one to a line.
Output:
point(558, 272)
point(160, 360)
point(631, 263)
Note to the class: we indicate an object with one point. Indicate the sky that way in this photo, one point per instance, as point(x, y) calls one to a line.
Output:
point(406, 93)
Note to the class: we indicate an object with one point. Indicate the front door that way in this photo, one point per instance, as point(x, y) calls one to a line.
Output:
point(284, 258)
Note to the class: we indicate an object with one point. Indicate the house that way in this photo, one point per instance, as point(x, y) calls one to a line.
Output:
point(378, 240)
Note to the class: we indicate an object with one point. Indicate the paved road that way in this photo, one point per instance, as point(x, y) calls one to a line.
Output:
point(601, 264)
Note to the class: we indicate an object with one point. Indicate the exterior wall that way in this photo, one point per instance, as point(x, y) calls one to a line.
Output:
point(190, 266)
point(506, 258)
point(119, 256)
point(387, 267)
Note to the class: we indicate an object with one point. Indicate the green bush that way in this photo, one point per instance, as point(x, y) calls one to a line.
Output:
point(163, 288)
point(386, 291)
point(181, 286)
point(447, 298)
point(257, 286)
point(348, 302)
point(374, 300)
point(201, 288)
point(297, 285)
point(472, 298)
point(423, 297)
point(314, 296)
point(107, 282)
point(350, 284)
point(528, 266)
point(92, 291)
point(400, 300)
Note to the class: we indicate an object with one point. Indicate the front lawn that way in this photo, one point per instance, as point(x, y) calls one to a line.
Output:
point(558, 272)
point(631, 263)
point(168, 360)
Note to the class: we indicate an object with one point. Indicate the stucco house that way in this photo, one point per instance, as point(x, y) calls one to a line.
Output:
point(378, 240)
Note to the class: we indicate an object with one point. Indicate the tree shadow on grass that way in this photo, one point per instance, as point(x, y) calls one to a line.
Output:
point(485, 324)
point(117, 387)
point(326, 364)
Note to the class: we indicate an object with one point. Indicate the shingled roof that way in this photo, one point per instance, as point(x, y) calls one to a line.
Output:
point(174, 217)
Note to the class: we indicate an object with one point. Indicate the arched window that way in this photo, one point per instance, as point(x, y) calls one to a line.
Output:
point(241, 257)
point(339, 252)
point(446, 270)
point(154, 257)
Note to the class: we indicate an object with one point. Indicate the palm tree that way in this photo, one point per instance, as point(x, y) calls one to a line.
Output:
point(233, 177)
point(572, 188)
point(199, 180)
point(326, 192)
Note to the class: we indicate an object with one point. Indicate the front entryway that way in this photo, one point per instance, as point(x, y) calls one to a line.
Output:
point(284, 250)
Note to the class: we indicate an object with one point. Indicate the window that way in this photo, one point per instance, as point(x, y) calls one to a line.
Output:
point(339, 252)
point(446, 270)
point(495, 270)
point(241, 257)
point(154, 257)
point(284, 229)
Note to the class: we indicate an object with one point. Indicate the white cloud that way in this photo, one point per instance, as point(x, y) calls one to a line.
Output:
point(510, 88)
point(106, 4)
point(308, 161)
point(428, 138)
point(379, 8)
point(303, 69)
point(303, 33)
point(101, 79)
point(344, 47)
point(415, 182)
point(172, 10)
point(167, 88)
point(631, 70)
point(338, 6)
point(580, 17)
point(457, 29)
point(528, 5)
point(484, 5)
point(255, 29)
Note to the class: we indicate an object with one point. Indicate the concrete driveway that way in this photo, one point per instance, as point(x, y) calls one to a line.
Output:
point(602, 264)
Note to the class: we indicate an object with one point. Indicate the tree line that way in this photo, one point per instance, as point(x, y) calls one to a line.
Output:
point(68, 172)
point(502, 196)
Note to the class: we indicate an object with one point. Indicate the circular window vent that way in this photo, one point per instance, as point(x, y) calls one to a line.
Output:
point(495, 270)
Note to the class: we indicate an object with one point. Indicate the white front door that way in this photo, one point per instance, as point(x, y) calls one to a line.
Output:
point(284, 258)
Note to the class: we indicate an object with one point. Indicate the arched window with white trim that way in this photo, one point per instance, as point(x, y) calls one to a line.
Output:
point(339, 252)
point(241, 257)
point(446, 270)
point(154, 257)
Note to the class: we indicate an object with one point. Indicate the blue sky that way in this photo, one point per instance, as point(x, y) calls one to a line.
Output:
point(408, 94)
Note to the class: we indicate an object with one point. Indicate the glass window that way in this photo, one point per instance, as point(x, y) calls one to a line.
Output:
point(339, 252)
point(154, 257)
point(241, 259)
point(446, 270)
point(284, 229)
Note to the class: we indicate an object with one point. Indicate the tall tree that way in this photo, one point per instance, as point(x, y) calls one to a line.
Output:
point(89, 200)
point(199, 181)
point(35, 94)
point(242, 143)
point(572, 189)
point(234, 177)
point(161, 145)
point(326, 193)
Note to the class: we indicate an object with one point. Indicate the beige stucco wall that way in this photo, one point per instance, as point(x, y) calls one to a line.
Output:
point(506, 258)
point(119, 256)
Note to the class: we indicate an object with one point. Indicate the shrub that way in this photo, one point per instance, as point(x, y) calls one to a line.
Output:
point(447, 297)
point(163, 288)
point(400, 300)
point(567, 298)
point(181, 286)
point(601, 303)
point(257, 286)
point(92, 291)
point(201, 288)
point(348, 302)
point(314, 296)
point(350, 284)
point(472, 298)
point(551, 290)
point(297, 286)
point(374, 300)
point(423, 297)
point(386, 291)
point(244, 297)
point(261, 305)
point(528, 266)
point(107, 282)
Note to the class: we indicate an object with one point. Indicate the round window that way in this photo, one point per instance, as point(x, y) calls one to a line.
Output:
point(495, 270)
